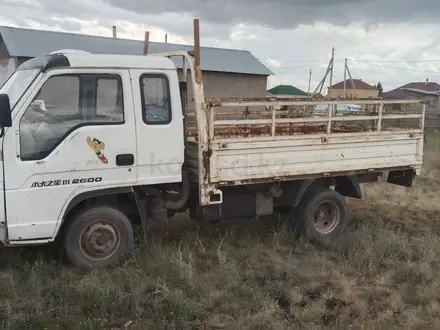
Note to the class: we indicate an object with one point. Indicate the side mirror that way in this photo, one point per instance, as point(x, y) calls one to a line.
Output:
point(5, 111)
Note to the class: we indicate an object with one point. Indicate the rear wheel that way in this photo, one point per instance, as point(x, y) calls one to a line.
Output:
point(322, 215)
point(98, 236)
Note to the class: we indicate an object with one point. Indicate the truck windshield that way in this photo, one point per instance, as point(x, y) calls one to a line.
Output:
point(17, 84)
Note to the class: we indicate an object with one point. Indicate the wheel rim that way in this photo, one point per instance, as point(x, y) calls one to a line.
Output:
point(326, 217)
point(99, 240)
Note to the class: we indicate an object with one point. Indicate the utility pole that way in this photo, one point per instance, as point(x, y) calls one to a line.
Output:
point(166, 38)
point(345, 79)
point(352, 82)
point(327, 72)
point(310, 81)
point(331, 72)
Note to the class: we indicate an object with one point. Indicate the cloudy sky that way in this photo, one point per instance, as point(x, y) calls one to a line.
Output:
point(391, 41)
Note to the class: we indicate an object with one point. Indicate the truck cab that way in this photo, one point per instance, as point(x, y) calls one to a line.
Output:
point(74, 124)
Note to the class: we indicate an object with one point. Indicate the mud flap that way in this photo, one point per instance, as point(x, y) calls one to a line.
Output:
point(401, 178)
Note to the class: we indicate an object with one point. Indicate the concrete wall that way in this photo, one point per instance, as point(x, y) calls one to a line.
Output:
point(433, 101)
point(225, 85)
point(432, 115)
point(222, 85)
point(360, 93)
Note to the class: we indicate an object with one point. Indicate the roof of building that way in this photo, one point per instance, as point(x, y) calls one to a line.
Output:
point(401, 92)
point(287, 90)
point(22, 42)
point(358, 84)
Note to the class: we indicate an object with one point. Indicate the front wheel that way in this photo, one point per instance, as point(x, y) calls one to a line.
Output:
point(322, 215)
point(97, 237)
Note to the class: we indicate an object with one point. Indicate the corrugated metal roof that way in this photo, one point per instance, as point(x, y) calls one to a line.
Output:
point(22, 42)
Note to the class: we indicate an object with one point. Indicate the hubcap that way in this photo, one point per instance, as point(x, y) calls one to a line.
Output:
point(99, 240)
point(326, 217)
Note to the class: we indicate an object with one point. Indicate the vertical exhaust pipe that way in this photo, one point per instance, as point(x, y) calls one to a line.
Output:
point(198, 72)
point(146, 41)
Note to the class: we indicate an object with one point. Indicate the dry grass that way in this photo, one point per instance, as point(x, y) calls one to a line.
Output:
point(248, 275)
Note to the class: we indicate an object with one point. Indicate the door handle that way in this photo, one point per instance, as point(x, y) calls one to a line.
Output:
point(124, 159)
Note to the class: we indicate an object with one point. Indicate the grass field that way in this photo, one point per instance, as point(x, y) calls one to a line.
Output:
point(384, 274)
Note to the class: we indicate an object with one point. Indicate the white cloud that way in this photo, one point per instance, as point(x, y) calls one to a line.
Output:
point(242, 32)
point(273, 63)
point(381, 51)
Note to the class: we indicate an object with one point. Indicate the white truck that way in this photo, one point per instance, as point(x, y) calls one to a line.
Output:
point(92, 144)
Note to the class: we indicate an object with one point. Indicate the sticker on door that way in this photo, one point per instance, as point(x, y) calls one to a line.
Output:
point(97, 146)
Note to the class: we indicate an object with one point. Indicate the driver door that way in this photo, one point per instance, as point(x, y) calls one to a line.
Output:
point(68, 138)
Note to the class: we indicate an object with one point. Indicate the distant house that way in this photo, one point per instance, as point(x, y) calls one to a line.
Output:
point(287, 91)
point(363, 90)
point(426, 91)
point(413, 90)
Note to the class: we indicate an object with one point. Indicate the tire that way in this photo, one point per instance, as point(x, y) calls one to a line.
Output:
point(324, 227)
point(96, 249)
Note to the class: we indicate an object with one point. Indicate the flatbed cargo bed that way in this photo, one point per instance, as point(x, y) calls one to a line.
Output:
point(243, 141)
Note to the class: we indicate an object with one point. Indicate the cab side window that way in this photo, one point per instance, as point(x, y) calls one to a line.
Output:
point(109, 99)
point(155, 98)
point(65, 103)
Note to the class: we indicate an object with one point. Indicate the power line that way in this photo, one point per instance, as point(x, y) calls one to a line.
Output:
point(396, 68)
point(401, 61)
point(373, 61)
point(304, 66)
point(302, 61)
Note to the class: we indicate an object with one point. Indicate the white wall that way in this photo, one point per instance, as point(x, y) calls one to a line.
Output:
point(7, 67)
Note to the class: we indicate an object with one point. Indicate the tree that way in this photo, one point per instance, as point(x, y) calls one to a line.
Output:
point(379, 88)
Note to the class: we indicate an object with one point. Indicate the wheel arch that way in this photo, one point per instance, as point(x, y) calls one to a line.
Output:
point(294, 191)
point(79, 200)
